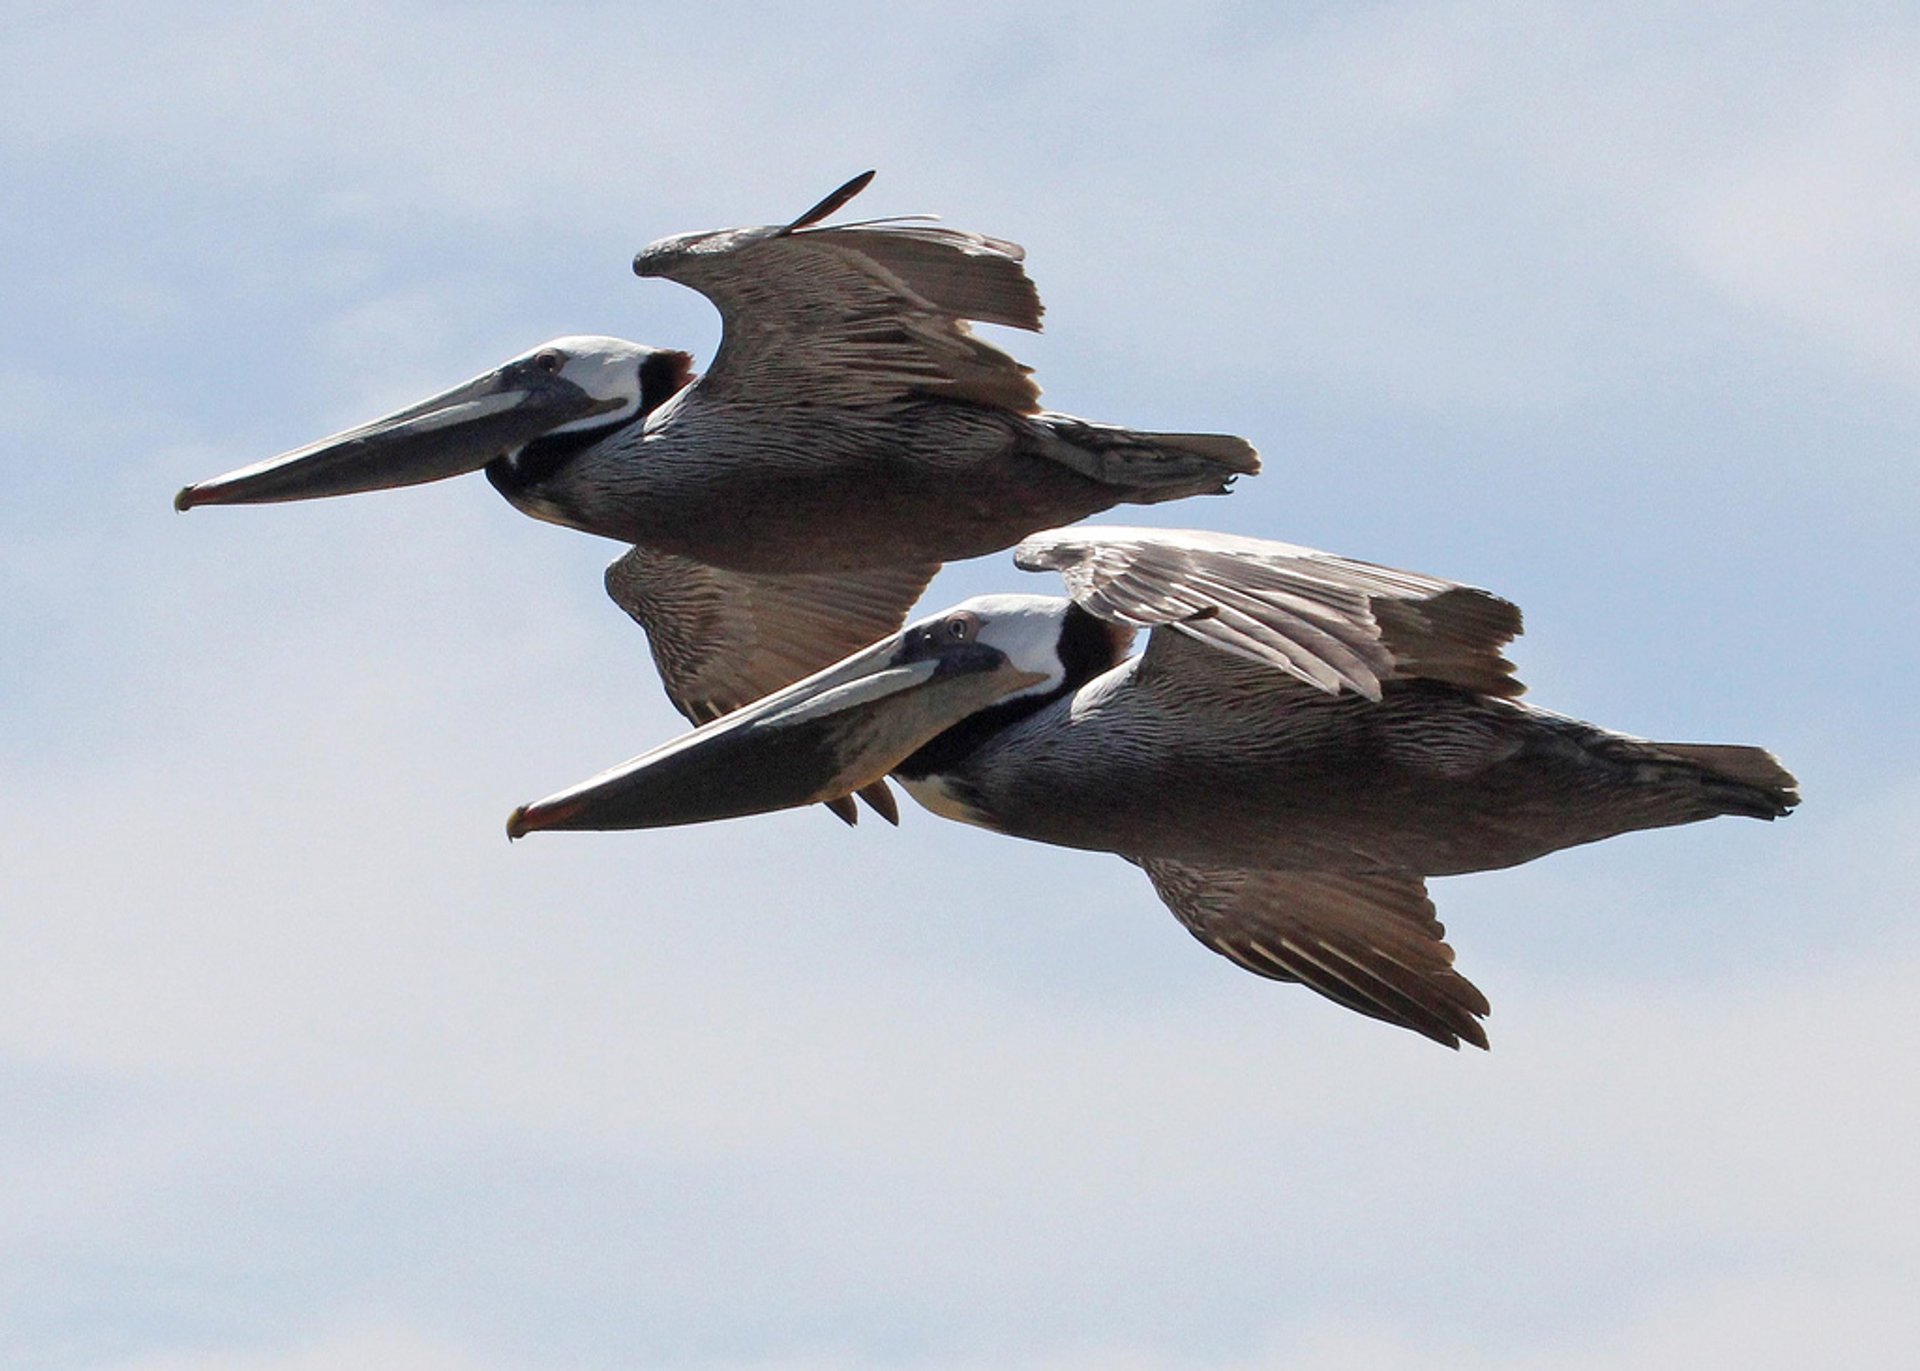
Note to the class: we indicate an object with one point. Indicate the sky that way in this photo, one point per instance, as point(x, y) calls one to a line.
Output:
point(1614, 310)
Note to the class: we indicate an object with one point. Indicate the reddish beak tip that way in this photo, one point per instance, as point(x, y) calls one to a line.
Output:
point(534, 817)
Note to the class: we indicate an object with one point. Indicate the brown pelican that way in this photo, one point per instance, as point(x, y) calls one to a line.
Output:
point(791, 504)
point(1303, 741)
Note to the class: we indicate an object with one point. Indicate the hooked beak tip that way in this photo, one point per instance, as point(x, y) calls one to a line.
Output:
point(184, 501)
point(536, 816)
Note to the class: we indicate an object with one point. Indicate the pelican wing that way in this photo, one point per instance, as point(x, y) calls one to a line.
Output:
point(1329, 621)
point(1369, 942)
point(858, 314)
point(723, 639)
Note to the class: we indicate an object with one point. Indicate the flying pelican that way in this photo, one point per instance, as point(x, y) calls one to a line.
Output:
point(791, 504)
point(1304, 740)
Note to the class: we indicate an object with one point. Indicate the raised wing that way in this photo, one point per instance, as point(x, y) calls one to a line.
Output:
point(858, 314)
point(723, 639)
point(1329, 621)
point(1369, 942)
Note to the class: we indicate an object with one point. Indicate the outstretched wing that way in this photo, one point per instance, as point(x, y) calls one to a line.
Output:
point(858, 314)
point(723, 639)
point(1329, 621)
point(1369, 942)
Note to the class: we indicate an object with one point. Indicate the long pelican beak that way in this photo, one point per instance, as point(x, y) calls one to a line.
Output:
point(821, 738)
point(449, 435)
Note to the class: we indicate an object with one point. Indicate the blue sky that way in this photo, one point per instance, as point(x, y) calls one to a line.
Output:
point(302, 1066)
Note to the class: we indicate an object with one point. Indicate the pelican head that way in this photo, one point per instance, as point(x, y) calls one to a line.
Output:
point(570, 386)
point(844, 727)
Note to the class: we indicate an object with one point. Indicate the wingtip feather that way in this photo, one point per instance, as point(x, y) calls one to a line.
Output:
point(832, 202)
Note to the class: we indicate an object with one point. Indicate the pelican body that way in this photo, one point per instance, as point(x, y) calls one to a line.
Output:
point(851, 435)
point(1305, 739)
point(767, 491)
point(1430, 778)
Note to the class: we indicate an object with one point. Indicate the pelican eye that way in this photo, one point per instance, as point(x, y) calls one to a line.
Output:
point(960, 628)
point(550, 361)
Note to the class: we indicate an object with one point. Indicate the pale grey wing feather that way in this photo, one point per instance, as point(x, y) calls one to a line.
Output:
point(857, 315)
point(1327, 620)
point(964, 275)
point(1369, 942)
point(723, 639)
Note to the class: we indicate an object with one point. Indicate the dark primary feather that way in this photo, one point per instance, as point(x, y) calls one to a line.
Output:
point(833, 201)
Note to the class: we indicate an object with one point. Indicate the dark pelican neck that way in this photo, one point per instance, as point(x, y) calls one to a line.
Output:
point(948, 752)
point(662, 376)
point(540, 460)
point(1088, 647)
